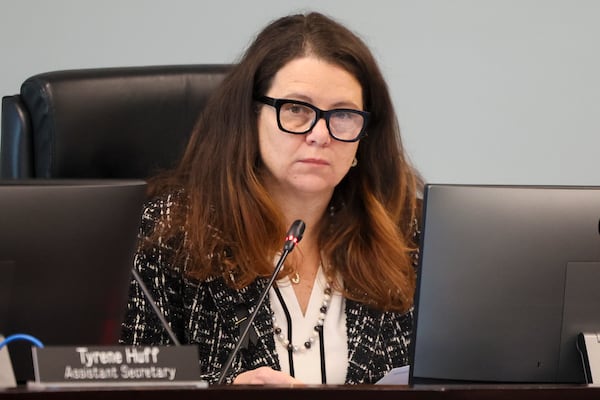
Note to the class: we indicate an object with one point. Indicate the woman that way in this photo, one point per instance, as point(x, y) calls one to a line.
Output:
point(302, 128)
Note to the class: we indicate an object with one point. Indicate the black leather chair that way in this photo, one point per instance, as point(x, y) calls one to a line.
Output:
point(122, 122)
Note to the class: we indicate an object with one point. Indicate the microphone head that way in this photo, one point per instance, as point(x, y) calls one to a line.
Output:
point(294, 234)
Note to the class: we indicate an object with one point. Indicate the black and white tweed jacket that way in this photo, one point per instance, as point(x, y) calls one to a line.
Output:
point(204, 313)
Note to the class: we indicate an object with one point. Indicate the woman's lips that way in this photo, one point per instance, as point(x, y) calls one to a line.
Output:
point(315, 161)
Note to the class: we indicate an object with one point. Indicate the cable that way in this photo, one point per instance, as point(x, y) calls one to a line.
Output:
point(21, 336)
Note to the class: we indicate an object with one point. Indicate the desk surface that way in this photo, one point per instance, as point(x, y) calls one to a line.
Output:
point(316, 392)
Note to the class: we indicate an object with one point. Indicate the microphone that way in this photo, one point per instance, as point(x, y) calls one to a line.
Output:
point(294, 235)
point(155, 308)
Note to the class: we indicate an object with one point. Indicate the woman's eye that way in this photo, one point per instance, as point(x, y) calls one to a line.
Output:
point(343, 115)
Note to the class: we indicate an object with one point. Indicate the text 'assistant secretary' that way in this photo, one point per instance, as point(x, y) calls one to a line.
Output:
point(116, 366)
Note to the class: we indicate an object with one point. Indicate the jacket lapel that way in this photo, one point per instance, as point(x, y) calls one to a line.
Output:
point(362, 326)
point(235, 308)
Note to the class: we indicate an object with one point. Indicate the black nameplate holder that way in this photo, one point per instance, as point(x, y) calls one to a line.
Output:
point(64, 366)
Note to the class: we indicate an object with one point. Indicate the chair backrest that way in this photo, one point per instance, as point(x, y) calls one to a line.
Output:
point(125, 122)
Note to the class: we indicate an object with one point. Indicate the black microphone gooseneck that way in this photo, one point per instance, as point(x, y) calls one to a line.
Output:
point(155, 308)
point(294, 235)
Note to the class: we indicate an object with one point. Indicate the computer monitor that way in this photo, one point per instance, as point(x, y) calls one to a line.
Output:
point(508, 277)
point(66, 252)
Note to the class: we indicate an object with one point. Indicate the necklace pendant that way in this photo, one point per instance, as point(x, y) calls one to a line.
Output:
point(295, 279)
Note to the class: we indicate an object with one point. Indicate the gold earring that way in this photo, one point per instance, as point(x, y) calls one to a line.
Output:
point(354, 162)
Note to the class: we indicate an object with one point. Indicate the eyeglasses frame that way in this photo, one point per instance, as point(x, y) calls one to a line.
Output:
point(325, 114)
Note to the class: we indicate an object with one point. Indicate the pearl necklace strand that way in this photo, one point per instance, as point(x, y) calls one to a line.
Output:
point(317, 328)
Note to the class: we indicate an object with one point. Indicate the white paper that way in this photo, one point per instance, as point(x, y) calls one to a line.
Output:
point(397, 376)
point(7, 376)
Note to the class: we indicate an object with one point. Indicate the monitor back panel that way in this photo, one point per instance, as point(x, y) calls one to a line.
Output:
point(492, 280)
point(66, 251)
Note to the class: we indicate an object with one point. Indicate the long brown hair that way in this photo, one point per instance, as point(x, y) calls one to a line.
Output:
point(234, 229)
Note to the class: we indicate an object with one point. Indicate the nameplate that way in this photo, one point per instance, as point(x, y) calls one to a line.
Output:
point(117, 365)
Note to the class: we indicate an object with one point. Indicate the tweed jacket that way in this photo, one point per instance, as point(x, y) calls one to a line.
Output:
point(205, 313)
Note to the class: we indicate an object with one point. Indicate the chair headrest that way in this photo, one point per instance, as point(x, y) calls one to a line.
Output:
point(127, 122)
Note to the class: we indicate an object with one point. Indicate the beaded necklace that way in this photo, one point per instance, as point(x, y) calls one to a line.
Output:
point(317, 329)
point(317, 332)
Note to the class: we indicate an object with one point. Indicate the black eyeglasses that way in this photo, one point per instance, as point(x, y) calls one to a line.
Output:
point(299, 117)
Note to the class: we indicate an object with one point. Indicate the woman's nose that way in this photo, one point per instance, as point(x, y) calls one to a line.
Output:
point(319, 134)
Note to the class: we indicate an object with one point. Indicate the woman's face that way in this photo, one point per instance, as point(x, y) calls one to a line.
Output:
point(312, 163)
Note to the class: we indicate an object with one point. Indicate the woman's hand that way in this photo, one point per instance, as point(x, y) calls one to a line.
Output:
point(265, 375)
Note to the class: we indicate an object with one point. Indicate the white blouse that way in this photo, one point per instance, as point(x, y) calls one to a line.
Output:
point(307, 362)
